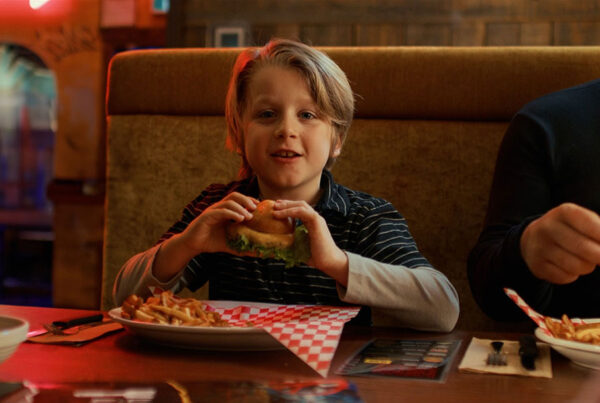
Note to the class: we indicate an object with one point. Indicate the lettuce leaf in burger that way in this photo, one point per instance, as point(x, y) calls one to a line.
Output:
point(268, 237)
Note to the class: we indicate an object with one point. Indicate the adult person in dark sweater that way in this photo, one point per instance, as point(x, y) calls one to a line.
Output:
point(542, 230)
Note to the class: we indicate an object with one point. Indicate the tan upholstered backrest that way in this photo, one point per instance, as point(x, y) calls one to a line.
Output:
point(427, 128)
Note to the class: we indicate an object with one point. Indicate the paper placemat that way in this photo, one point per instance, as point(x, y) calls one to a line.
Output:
point(79, 335)
point(475, 359)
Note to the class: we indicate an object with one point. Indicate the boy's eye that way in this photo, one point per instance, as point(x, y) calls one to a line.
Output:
point(266, 114)
point(308, 115)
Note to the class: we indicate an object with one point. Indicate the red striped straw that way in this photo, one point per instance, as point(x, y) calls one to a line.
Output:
point(535, 316)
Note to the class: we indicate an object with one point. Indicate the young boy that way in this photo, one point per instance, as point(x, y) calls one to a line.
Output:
point(289, 108)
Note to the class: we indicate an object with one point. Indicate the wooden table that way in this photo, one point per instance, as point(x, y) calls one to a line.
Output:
point(124, 358)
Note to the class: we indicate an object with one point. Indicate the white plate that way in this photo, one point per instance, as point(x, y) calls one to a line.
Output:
point(203, 338)
point(13, 331)
point(585, 354)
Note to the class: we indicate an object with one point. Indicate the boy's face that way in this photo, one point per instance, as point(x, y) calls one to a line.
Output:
point(287, 141)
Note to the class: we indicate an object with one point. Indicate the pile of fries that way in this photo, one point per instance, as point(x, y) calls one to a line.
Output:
point(566, 329)
point(169, 309)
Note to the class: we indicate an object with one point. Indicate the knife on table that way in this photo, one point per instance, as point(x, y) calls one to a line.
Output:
point(528, 351)
point(58, 326)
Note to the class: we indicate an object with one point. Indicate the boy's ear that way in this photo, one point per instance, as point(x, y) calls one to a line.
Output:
point(336, 148)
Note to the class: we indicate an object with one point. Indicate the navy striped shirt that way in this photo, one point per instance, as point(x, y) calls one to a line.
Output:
point(358, 223)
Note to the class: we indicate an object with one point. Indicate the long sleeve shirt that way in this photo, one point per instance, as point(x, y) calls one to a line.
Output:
point(550, 155)
point(386, 270)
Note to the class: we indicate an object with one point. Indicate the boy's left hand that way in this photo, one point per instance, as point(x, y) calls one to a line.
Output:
point(326, 255)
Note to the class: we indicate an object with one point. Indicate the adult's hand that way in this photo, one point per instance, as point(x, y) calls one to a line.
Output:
point(563, 244)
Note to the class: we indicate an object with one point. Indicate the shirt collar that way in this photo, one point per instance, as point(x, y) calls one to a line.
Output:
point(334, 197)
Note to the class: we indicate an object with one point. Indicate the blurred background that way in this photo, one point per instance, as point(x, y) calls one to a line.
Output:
point(54, 56)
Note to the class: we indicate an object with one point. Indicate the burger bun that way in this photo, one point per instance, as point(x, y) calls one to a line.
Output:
point(264, 229)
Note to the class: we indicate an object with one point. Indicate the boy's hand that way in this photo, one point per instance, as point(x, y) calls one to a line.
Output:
point(207, 232)
point(326, 255)
point(563, 244)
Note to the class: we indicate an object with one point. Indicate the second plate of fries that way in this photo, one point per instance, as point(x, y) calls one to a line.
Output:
point(578, 342)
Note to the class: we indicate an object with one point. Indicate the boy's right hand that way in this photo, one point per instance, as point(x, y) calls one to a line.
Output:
point(207, 232)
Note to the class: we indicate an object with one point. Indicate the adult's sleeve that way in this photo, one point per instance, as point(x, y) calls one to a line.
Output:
point(521, 192)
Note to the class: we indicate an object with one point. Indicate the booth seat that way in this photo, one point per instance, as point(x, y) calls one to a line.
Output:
point(427, 128)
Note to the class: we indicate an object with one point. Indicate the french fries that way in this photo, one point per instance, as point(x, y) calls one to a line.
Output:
point(169, 309)
point(566, 329)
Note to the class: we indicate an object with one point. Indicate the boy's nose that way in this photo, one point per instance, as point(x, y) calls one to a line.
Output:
point(287, 128)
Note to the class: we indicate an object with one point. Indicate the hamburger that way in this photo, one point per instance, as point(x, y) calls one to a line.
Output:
point(267, 237)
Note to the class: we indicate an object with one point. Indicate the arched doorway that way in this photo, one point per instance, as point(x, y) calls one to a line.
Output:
point(27, 127)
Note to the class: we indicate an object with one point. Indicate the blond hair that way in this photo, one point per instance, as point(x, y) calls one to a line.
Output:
point(328, 84)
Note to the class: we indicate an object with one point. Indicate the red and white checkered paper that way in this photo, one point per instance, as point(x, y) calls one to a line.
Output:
point(311, 332)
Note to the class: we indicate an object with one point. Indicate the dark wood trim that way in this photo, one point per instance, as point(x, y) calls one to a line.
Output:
point(76, 191)
point(120, 38)
point(176, 24)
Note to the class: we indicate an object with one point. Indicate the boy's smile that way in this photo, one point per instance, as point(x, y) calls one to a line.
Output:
point(287, 139)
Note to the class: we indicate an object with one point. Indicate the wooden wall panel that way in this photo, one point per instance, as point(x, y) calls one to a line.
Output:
point(392, 22)
point(327, 35)
point(390, 34)
point(77, 261)
point(536, 34)
point(577, 33)
point(428, 35)
point(470, 33)
point(197, 35)
point(261, 34)
point(503, 34)
point(315, 11)
point(573, 9)
point(490, 9)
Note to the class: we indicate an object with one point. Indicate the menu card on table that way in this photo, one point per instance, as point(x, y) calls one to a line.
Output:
point(415, 359)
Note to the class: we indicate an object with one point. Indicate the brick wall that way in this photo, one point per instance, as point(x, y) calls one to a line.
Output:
point(391, 22)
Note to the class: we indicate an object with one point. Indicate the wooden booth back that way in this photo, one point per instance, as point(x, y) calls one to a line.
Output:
point(427, 127)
